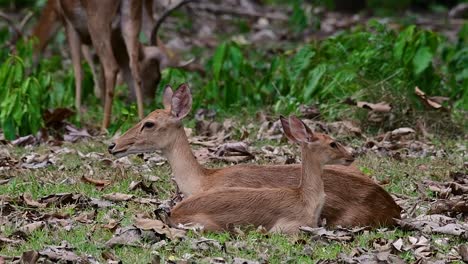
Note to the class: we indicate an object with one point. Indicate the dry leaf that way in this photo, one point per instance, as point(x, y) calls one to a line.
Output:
point(430, 101)
point(74, 134)
point(86, 217)
point(60, 253)
point(29, 257)
point(26, 197)
point(24, 141)
point(463, 251)
point(381, 107)
point(159, 227)
point(117, 197)
point(96, 182)
point(128, 236)
point(29, 228)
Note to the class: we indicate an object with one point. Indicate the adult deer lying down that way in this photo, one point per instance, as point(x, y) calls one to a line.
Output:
point(352, 198)
point(283, 209)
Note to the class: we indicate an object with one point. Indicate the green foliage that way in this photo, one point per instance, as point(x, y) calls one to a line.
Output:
point(27, 93)
point(456, 68)
point(369, 63)
point(22, 106)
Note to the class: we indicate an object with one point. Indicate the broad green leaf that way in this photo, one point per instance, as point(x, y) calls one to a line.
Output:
point(403, 38)
point(9, 130)
point(422, 59)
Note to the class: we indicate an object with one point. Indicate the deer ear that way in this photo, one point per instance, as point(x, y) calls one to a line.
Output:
point(181, 102)
point(287, 129)
point(300, 131)
point(167, 97)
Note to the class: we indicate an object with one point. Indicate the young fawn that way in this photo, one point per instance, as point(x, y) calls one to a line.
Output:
point(356, 201)
point(282, 209)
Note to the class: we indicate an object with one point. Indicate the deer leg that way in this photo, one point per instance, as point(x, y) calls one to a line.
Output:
point(74, 43)
point(100, 14)
point(148, 19)
point(97, 78)
point(131, 24)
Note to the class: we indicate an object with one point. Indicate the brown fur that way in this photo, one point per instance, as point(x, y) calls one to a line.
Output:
point(277, 209)
point(352, 199)
point(112, 28)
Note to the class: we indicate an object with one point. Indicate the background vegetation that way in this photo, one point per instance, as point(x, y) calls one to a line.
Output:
point(371, 62)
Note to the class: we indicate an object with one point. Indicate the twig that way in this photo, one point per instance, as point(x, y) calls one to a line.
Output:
point(154, 32)
point(218, 9)
point(11, 23)
point(25, 20)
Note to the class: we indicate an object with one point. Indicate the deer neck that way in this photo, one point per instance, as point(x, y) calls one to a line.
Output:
point(188, 173)
point(311, 182)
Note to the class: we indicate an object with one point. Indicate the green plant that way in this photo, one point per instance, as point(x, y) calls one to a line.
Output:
point(370, 63)
point(23, 97)
point(28, 91)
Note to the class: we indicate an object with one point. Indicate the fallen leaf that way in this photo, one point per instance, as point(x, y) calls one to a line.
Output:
point(60, 253)
point(117, 197)
point(86, 217)
point(112, 224)
point(463, 251)
point(29, 228)
point(110, 257)
point(29, 257)
point(96, 182)
point(398, 244)
point(381, 107)
point(206, 244)
point(25, 141)
point(158, 227)
point(430, 102)
point(74, 134)
point(26, 197)
point(338, 234)
point(309, 111)
point(244, 261)
point(129, 236)
point(454, 205)
point(58, 199)
point(5, 240)
point(140, 185)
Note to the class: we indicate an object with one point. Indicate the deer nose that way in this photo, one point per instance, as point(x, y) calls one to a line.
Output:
point(111, 147)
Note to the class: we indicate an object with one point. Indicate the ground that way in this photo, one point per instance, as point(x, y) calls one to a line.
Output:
point(32, 219)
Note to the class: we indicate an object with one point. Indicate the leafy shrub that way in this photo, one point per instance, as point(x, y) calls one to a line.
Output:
point(21, 109)
point(27, 93)
point(368, 63)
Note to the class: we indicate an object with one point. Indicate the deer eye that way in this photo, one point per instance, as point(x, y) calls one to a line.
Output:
point(148, 125)
point(334, 145)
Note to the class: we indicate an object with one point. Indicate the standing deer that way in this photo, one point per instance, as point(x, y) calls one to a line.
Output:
point(357, 200)
point(112, 28)
point(283, 209)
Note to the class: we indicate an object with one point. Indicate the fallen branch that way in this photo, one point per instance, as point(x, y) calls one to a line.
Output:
point(230, 10)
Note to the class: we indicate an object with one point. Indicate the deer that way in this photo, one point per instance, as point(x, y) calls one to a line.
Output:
point(356, 201)
point(283, 209)
point(111, 28)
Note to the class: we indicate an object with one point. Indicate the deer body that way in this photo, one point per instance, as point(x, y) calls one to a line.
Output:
point(112, 28)
point(356, 201)
point(277, 209)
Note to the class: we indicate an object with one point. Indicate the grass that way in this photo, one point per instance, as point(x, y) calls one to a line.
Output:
point(89, 239)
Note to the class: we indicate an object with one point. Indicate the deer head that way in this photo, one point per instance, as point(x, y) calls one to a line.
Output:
point(160, 129)
point(326, 148)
